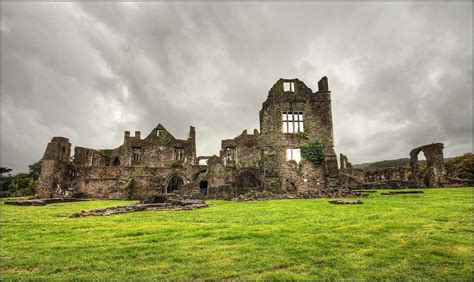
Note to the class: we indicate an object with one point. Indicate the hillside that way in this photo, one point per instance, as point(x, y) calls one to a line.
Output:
point(390, 163)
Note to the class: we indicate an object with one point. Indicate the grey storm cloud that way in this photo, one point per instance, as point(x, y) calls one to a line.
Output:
point(400, 73)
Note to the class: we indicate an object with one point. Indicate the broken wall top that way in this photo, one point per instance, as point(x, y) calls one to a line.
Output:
point(244, 139)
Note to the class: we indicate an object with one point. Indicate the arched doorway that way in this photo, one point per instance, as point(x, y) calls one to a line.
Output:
point(174, 183)
point(246, 181)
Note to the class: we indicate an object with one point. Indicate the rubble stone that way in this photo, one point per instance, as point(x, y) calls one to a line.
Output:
point(42, 202)
point(346, 202)
point(175, 204)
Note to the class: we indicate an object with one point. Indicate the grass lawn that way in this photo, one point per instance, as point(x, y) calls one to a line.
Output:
point(418, 236)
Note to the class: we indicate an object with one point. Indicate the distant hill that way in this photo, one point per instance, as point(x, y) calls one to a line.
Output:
point(383, 164)
point(389, 163)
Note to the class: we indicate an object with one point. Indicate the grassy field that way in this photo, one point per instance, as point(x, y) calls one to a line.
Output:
point(425, 236)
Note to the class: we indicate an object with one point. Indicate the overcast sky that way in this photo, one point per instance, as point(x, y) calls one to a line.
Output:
point(400, 73)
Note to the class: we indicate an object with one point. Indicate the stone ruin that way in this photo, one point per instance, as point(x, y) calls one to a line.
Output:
point(433, 175)
point(42, 202)
point(266, 163)
point(263, 164)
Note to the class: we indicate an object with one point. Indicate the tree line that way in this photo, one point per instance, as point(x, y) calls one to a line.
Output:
point(20, 184)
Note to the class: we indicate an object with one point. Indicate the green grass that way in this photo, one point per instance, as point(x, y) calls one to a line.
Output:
point(421, 236)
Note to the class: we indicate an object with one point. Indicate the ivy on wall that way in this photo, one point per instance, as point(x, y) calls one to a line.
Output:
point(106, 152)
point(128, 184)
point(315, 150)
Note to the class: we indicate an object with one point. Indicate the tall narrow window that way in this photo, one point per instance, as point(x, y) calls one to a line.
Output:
point(292, 122)
point(293, 155)
point(136, 154)
point(289, 86)
point(179, 154)
point(159, 132)
point(230, 153)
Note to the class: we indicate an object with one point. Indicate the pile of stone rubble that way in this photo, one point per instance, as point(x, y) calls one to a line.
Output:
point(152, 202)
point(42, 202)
point(266, 195)
point(346, 202)
point(403, 192)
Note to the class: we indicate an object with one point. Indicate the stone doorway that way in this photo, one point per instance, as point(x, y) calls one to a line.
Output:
point(203, 186)
point(174, 183)
point(246, 181)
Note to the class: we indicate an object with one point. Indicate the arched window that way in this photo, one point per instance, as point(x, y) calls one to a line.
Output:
point(174, 183)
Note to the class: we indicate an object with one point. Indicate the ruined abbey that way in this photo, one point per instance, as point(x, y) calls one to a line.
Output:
point(268, 161)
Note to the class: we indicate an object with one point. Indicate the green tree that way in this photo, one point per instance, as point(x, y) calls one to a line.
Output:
point(35, 170)
point(461, 166)
point(20, 184)
point(4, 170)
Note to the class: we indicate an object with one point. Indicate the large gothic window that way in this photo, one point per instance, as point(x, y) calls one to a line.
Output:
point(292, 122)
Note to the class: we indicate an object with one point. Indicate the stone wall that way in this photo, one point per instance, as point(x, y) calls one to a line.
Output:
point(314, 109)
point(54, 168)
point(89, 157)
point(158, 149)
point(435, 176)
point(248, 163)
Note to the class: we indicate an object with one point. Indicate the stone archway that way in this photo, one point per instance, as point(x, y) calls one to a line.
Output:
point(200, 175)
point(174, 182)
point(246, 180)
point(435, 171)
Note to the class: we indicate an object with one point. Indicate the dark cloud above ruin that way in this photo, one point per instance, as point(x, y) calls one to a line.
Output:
point(401, 73)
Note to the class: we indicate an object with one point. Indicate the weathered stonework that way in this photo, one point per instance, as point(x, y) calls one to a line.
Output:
point(267, 162)
point(54, 168)
point(434, 175)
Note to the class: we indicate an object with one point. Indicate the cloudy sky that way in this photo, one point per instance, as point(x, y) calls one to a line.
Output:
point(400, 73)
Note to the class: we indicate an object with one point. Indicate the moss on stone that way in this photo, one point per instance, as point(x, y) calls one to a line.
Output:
point(138, 170)
point(106, 152)
point(128, 184)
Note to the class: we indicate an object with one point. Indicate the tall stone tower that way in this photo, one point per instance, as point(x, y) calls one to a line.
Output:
point(54, 168)
point(293, 116)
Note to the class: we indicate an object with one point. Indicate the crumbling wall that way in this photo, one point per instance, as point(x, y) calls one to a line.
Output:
point(126, 182)
point(344, 162)
point(54, 169)
point(241, 151)
point(159, 149)
point(89, 157)
point(333, 184)
point(138, 167)
point(435, 174)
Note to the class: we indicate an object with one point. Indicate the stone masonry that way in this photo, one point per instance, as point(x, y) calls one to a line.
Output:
point(265, 161)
